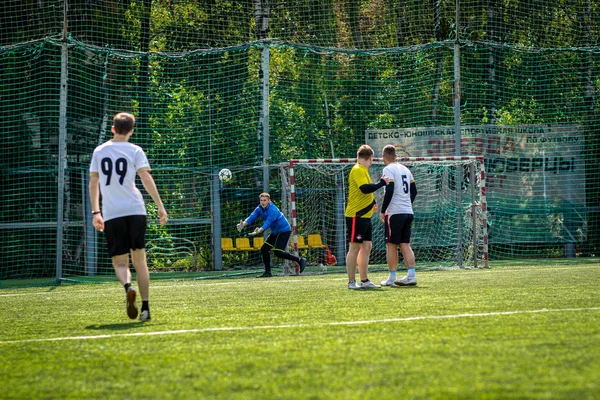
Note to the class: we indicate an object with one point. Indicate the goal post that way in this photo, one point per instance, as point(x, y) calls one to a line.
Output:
point(450, 226)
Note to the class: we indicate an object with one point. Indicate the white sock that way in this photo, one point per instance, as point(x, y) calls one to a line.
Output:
point(392, 276)
point(411, 273)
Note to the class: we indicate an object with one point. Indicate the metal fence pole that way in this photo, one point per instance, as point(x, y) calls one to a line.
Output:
point(62, 147)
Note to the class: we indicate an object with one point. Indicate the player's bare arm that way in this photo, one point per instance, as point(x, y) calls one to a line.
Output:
point(150, 187)
point(94, 187)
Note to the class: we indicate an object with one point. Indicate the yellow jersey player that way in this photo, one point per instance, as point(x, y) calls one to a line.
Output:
point(359, 210)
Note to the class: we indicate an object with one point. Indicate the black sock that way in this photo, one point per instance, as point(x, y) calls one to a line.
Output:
point(366, 280)
point(127, 286)
point(145, 306)
point(287, 256)
point(266, 257)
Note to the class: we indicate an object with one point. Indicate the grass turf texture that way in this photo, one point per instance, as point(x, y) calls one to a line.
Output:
point(507, 332)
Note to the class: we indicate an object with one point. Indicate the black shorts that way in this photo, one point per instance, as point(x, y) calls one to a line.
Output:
point(398, 228)
point(277, 241)
point(359, 229)
point(125, 233)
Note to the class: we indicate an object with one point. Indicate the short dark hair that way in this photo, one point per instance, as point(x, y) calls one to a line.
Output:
point(123, 123)
point(365, 152)
point(389, 150)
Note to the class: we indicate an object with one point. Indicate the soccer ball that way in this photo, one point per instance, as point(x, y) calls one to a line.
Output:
point(225, 175)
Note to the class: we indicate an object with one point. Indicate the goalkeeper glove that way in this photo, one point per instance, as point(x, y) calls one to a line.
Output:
point(257, 231)
point(240, 226)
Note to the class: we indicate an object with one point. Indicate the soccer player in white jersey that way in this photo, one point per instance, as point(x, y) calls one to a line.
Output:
point(397, 216)
point(123, 216)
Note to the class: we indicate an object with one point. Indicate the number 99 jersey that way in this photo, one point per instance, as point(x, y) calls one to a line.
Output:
point(116, 164)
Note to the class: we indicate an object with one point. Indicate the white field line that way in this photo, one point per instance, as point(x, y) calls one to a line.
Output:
point(299, 279)
point(294, 326)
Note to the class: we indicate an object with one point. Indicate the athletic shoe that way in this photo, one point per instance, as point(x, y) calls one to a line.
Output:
point(406, 281)
point(145, 316)
point(353, 286)
point(132, 310)
point(388, 282)
point(369, 285)
point(265, 275)
point(302, 264)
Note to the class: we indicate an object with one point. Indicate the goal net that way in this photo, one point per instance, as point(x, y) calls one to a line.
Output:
point(450, 225)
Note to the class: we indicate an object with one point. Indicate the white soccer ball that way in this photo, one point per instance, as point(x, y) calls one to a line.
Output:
point(225, 175)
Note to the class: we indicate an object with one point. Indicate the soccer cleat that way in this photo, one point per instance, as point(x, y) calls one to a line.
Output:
point(353, 286)
point(369, 285)
point(388, 282)
point(406, 281)
point(265, 275)
point(302, 264)
point(132, 310)
point(145, 316)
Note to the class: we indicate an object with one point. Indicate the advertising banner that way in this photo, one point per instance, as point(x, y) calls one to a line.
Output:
point(535, 173)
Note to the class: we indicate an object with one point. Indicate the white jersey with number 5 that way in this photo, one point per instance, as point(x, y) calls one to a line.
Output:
point(402, 177)
point(117, 163)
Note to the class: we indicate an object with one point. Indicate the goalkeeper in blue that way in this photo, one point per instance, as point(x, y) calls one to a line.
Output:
point(280, 233)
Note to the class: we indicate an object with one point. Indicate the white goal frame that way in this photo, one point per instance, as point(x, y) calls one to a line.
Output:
point(478, 212)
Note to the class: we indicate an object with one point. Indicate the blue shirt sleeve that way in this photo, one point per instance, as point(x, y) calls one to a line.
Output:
point(255, 214)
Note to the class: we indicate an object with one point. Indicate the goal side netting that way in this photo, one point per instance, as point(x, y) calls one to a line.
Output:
point(450, 226)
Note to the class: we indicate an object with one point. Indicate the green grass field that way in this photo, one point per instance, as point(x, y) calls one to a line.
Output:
point(520, 331)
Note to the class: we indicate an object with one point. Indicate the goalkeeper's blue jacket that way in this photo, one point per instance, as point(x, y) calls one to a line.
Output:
point(273, 218)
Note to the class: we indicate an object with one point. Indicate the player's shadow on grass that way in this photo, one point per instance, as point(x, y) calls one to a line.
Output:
point(117, 327)
point(404, 288)
point(390, 289)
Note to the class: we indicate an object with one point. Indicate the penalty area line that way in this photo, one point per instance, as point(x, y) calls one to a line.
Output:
point(293, 326)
